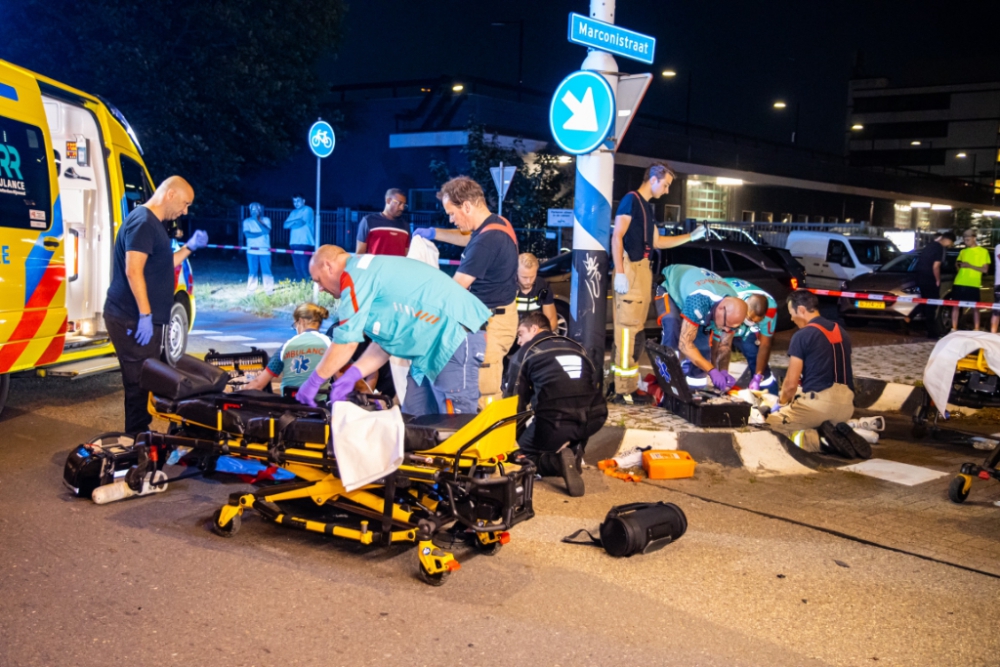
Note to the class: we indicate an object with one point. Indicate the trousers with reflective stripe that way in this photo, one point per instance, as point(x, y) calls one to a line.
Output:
point(631, 310)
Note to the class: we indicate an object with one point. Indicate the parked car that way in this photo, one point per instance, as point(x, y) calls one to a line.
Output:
point(730, 260)
point(831, 260)
point(898, 277)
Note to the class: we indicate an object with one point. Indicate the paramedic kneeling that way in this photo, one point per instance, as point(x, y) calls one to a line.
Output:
point(820, 357)
point(694, 305)
point(141, 294)
point(554, 376)
point(409, 310)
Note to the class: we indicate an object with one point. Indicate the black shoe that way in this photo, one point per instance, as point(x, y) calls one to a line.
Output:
point(578, 453)
point(567, 467)
point(860, 446)
point(835, 441)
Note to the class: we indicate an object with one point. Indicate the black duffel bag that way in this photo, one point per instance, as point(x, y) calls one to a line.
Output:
point(637, 528)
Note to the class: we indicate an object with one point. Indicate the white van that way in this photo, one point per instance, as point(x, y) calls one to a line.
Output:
point(833, 259)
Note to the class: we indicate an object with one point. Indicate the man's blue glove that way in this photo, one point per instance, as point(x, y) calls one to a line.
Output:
point(306, 395)
point(144, 332)
point(621, 283)
point(345, 384)
point(722, 380)
point(425, 232)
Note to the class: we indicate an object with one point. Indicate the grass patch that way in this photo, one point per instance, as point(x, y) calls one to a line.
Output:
point(288, 294)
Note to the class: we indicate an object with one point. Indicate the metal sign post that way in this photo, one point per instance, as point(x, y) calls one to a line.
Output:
point(321, 142)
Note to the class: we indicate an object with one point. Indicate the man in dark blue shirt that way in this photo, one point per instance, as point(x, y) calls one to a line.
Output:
point(488, 270)
point(928, 272)
point(633, 238)
point(385, 233)
point(141, 293)
point(819, 358)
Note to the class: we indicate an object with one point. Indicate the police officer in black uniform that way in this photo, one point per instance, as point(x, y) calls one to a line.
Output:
point(554, 375)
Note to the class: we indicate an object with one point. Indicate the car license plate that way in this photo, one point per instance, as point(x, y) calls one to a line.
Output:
point(878, 305)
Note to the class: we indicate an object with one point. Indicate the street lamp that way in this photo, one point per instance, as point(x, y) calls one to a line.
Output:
point(780, 105)
point(520, 49)
point(457, 88)
point(668, 73)
point(857, 127)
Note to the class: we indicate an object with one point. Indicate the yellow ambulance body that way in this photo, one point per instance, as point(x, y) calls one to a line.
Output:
point(70, 171)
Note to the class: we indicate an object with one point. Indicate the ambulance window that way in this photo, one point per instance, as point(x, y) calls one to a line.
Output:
point(137, 187)
point(25, 197)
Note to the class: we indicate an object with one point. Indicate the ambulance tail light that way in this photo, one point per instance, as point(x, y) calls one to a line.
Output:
point(73, 256)
point(795, 283)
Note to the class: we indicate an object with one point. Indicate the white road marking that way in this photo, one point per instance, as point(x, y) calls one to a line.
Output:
point(893, 471)
point(229, 339)
point(203, 332)
point(268, 345)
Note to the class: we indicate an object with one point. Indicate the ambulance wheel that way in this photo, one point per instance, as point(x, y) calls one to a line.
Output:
point(229, 529)
point(177, 333)
point(4, 390)
point(432, 579)
point(956, 490)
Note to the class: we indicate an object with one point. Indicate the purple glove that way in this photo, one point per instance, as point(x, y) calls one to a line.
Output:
point(306, 395)
point(755, 382)
point(425, 232)
point(197, 241)
point(722, 380)
point(345, 385)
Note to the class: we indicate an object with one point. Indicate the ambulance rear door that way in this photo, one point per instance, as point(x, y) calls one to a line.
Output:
point(32, 273)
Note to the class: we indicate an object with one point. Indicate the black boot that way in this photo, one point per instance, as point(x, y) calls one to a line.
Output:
point(567, 462)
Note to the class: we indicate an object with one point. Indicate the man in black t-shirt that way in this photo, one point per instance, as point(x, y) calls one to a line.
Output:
point(819, 357)
point(141, 294)
point(633, 238)
point(488, 270)
point(928, 272)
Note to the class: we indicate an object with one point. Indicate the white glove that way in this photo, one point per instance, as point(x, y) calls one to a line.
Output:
point(621, 283)
point(699, 233)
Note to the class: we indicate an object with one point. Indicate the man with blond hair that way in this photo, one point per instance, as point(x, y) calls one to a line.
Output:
point(488, 270)
point(409, 310)
point(141, 294)
point(533, 292)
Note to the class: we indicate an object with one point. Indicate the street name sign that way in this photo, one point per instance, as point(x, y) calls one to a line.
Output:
point(582, 113)
point(560, 217)
point(611, 38)
point(321, 139)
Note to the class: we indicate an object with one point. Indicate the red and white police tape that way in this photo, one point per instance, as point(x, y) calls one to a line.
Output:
point(891, 298)
point(443, 262)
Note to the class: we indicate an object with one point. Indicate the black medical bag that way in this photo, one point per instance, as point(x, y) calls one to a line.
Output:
point(637, 528)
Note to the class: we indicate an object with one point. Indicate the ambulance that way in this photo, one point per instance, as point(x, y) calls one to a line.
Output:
point(71, 170)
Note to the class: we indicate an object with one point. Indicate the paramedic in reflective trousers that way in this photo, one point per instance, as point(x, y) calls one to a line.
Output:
point(141, 294)
point(633, 239)
point(819, 359)
point(488, 270)
point(554, 376)
point(385, 233)
point(409, 310)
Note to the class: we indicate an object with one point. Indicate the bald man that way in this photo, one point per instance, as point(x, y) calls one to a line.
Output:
point(141, 294)
point(696, 306)
point(409, 310)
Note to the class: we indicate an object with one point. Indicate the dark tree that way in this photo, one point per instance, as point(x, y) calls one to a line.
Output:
point(540, 183)
point(211, 87)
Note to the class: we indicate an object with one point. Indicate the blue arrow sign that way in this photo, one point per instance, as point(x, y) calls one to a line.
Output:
point(582, 113)
point(611, 38)
point(321, 139)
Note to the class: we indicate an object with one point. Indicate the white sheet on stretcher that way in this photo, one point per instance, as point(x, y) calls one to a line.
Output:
point(940, 369)
point(368, 445)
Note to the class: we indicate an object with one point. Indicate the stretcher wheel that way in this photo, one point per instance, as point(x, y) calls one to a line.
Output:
point(488, 549)
point(432, 579)
point(229, 529)
point(956, 490)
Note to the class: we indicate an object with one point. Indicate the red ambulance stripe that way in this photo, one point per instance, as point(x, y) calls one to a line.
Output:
point(31, 321)
point(10, 353)
point(47, 287)
point(345, 283)
point(52, 352)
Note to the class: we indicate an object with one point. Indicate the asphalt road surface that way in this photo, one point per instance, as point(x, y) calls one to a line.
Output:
point(146, 582)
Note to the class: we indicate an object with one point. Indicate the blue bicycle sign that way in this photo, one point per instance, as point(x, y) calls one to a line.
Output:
point(322, 139)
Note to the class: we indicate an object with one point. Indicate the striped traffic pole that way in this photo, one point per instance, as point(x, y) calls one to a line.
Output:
point(592, 219)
